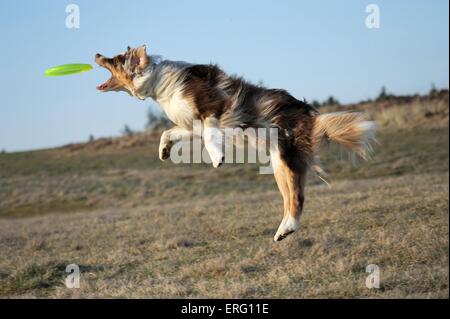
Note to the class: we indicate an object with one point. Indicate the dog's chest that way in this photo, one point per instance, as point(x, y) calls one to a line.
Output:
point(178, 110)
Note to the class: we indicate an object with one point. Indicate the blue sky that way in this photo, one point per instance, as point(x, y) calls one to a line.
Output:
point(311, 48)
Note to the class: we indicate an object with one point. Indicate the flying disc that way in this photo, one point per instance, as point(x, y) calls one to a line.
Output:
point(67, 69)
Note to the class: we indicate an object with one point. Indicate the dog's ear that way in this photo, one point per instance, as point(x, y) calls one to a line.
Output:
point(137, 59)
point(141, 55)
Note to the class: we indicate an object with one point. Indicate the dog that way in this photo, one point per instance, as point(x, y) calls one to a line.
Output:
point(189, 92)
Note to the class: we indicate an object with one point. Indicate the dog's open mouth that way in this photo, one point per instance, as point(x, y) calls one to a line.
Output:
point(105, 86)
point(102, 61)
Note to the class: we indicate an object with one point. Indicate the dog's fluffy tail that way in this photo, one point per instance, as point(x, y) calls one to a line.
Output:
point(346, 128)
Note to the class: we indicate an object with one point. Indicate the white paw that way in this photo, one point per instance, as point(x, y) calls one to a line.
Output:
point(213, 143)
point(164, 151)
point(217, 159)
point(288, 226)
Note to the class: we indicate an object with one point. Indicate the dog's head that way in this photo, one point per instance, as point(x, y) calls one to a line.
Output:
point(126, 70)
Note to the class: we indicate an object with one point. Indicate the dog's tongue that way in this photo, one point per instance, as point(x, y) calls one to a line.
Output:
point(104, 86)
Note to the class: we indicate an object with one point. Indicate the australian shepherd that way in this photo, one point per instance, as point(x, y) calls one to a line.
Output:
point(189, 92)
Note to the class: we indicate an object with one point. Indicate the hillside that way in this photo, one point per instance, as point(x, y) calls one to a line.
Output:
point(142, 228)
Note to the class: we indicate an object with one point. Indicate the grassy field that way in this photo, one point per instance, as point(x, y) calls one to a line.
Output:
point(138, 227)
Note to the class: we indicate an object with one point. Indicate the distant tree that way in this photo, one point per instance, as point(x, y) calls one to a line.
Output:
point(156, 121)
point(383, 94)
point(331, 101)
point(316, 104)
point(91, 138)
point(126, 131)
point(433, 91)
point(3, 151)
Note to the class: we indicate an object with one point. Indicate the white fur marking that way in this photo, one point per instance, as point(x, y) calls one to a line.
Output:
point(288, 225)
point(213, 143)
point(368, 129)
point(275, 157)
point(177, 109)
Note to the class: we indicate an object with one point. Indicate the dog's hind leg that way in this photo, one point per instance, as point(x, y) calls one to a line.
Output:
point(294, 178)
point(282, 182)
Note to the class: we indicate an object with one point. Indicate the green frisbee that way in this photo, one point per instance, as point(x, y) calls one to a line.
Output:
point(67, 69)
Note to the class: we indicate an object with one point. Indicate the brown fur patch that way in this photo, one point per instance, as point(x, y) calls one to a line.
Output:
point(200, 88)
point(214, 93)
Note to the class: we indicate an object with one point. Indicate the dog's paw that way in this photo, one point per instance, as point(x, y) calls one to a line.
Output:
point(288, 226)
point(164, 151)
point(280, 237)
point(217, 160)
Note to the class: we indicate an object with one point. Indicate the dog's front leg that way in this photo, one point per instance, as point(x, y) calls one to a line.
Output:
point(213, 138)
point(168, 138)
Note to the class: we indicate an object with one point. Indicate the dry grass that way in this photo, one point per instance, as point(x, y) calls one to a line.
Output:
point(186, 250)
point(405, 113)
point(141, 228)
point(417, 114)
